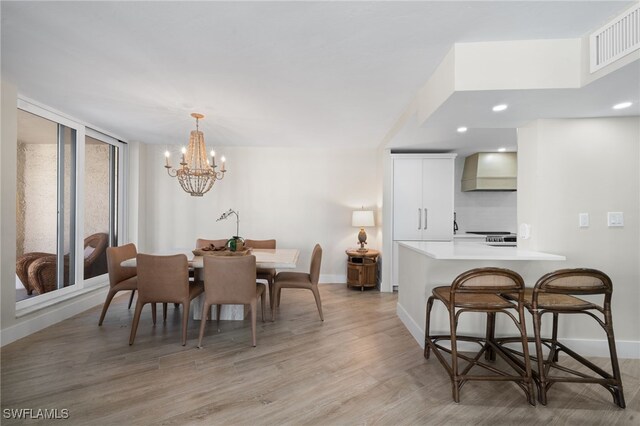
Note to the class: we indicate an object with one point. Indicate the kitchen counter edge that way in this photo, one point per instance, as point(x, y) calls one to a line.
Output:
point(455, 250)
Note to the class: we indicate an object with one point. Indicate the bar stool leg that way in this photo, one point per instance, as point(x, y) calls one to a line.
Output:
point(427, 333)
point(542, 376)
point(490, 354)
point(455, 380)
point(618, 395)
point(554, 337)
point(527, 361)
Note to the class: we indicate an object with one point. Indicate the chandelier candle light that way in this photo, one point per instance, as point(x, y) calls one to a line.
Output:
point(195, 174)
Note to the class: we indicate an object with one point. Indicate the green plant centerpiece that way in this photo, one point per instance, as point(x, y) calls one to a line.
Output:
point(236, 242)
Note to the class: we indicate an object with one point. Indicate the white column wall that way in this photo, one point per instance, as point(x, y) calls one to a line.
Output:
point(8, 172)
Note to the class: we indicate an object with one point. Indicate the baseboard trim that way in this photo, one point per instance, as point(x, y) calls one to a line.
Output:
point(332, 279)
point(416, 331)
point(627, 349)
point(52, 315)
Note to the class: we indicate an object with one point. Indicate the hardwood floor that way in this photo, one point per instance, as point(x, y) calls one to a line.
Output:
point(361, 366)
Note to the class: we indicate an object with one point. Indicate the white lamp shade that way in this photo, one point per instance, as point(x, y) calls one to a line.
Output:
point(362, 218)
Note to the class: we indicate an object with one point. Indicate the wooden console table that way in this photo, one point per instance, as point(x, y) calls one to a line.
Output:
point(362, 268)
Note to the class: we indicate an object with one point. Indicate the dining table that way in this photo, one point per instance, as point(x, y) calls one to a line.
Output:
point(265, 258)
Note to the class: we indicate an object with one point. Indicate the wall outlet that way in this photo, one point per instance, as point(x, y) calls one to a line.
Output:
point(583, 220)
point(615, 219)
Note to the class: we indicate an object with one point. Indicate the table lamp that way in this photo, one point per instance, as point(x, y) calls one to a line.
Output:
point(360, 219)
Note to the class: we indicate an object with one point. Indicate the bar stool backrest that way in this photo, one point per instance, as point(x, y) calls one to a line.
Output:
point(572, 282)
point(488, 281)
point(575, 281)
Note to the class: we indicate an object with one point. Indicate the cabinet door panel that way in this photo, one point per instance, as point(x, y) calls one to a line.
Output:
point(437, 199)
point(407, 199)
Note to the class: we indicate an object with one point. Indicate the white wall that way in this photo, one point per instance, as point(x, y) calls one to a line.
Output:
point(567, 167)
point(299, 196)
point(483, 210)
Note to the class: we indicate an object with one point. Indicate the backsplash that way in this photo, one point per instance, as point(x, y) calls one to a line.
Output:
point(484, 210)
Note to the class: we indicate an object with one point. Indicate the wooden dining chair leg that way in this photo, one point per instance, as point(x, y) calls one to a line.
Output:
point(106, 305)
point(185, 321)
point(153, 313)
point(203, 321)
point(274, 304)
point(254, 307)
point(270, 290)
point(131, 299)
point(218, 314)
point(136, 319)
point(262, 303)
point(316, 294)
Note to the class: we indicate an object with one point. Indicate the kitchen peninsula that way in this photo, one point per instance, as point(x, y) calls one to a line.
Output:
point(423, 265)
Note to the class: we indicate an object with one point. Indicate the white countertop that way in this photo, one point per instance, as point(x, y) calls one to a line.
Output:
point(449, 250)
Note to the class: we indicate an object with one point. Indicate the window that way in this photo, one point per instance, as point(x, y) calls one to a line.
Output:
point(69, 192)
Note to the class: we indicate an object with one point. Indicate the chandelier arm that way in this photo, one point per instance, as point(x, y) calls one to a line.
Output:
point(171, 172)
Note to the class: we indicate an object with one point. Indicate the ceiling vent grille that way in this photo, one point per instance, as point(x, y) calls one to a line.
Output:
point(618, 38)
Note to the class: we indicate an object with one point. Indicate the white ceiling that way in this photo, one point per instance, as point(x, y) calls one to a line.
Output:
point(272, 73)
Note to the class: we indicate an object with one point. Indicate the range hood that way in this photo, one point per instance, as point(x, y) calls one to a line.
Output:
point(490, 171)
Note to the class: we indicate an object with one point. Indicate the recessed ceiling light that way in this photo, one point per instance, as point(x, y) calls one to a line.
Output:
point(500, 107)
point(502, 149)
point(622, 105)
point(462, 129)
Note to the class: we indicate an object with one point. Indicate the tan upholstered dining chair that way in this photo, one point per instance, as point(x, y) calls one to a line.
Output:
point(201, 242)
point(299, 280)
point(120, 278)
point(231, 280)
point(267, 274)
point(164, 279)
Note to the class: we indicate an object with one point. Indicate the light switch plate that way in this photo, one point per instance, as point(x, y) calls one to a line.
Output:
point(615, 219)
point(583, 220)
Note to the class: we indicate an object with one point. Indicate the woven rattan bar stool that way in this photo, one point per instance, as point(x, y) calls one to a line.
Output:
point(554, 294)
point(479, 290)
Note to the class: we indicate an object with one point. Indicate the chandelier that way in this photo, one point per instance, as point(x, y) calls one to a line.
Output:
point(195, 174)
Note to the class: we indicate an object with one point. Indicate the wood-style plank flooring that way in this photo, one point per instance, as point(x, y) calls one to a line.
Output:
point(359, 366)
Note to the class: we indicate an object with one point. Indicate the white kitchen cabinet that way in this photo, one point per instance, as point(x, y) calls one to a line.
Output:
point(423, 187)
